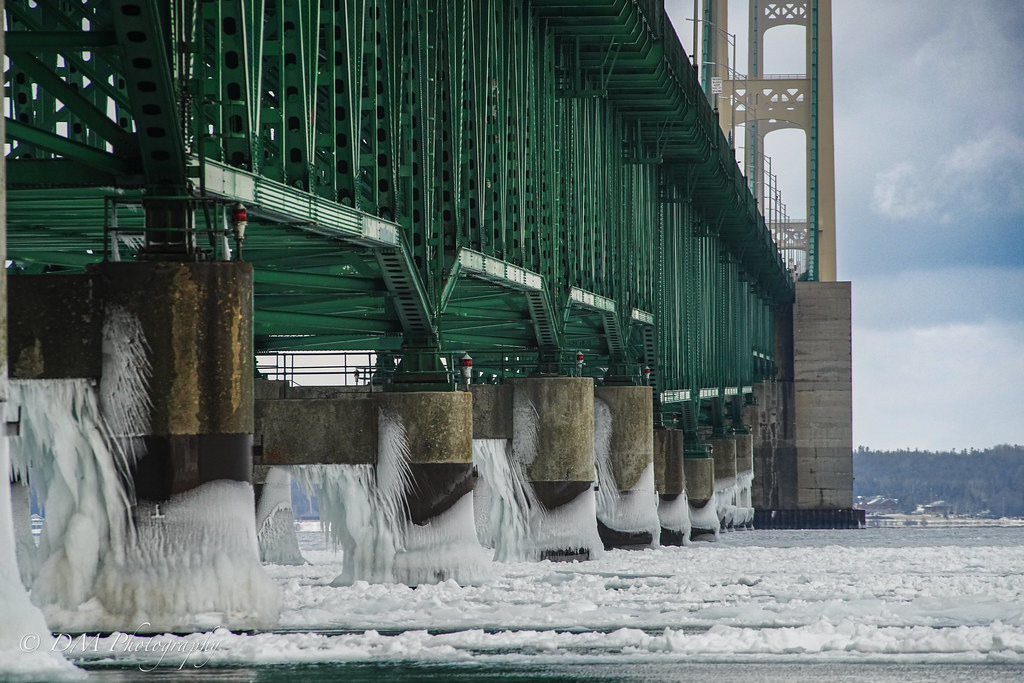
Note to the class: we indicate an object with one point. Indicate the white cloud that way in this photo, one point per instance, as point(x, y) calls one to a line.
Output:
point(972, 179)
point(900, 193)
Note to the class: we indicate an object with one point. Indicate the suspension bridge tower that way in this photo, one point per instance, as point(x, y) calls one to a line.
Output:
point(804, 458)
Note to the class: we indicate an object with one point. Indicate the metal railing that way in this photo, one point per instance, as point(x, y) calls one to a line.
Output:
point(369, 369)
point(189, 222)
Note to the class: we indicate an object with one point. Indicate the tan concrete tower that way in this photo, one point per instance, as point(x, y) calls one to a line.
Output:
point(803, 101)
point(802, 421)
point(766, 102)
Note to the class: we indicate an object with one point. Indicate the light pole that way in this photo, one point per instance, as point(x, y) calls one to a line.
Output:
point(732, 74)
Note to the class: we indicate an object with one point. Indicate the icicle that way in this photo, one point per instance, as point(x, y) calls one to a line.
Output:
point(366, 512)
point(275, 521)
point(26, 644)
point(504, 501)
point(21, 511)
point(525, 430)
point(674, 515)
point(124, 387)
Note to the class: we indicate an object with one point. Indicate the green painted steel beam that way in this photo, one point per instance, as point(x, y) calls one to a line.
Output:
point(69, 149)
point(146, 43)
point(124, 142)
point(285, 322)
point(59, 41)
point(302, 281)
point(280, 203)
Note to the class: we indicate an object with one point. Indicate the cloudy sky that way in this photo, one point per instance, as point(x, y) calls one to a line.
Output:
point(929, 101)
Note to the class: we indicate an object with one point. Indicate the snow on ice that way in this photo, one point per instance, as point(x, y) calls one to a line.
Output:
point(754, 596)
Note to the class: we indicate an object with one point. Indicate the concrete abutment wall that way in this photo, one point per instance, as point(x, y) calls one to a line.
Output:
point(803, 426)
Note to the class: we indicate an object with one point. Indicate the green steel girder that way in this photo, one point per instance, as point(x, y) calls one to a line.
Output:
point(69, 149)
point(305, 282)
point(143, 35)
point(455, 168)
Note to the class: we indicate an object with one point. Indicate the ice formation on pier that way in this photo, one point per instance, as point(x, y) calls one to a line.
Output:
point(732, 499)
point(632, 511)
point(275, 521)
point(193, 563)
point(675, 515)
point(365, 511)
point(26, 644)
point(705, 519)
point(67, 453)
point(105, 562)
point(510, 518)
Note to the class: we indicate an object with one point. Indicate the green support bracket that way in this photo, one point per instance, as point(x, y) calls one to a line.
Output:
point(420, 367)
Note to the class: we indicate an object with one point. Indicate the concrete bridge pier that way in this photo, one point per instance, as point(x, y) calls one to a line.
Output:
point(553, 443)
point(627, 503)
point(699, 477)
point(669, 480)
point(193, 474)
point(803, 440)
point(195, 319)
point(394, 474)
point(437, 427)
point(157, 356)
point(723, 450)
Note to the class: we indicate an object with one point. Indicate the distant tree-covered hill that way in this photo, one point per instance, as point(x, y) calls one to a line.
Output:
point(972, 482)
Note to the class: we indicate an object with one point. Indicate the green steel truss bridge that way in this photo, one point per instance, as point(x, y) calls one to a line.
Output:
point(525, 179)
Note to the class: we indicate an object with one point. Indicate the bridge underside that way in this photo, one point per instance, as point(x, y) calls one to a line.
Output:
point(527, 177)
